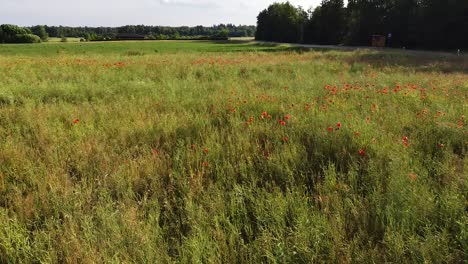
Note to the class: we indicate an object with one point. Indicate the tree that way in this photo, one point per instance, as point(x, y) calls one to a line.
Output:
point(281, 22)
point(327, 23)
point(41, 32)
point(14, 34)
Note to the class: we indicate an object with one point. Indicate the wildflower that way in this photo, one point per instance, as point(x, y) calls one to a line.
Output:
point(440, 145)
point(405, 141)
point(338, 125)
point(205, 150)
point(155, 152)
point(285, 139)
point(205, 163)
point(281, 122)
point(330, 129)
point(76, 121)
point(287, 117)
point(412, 176)
point(362, 152)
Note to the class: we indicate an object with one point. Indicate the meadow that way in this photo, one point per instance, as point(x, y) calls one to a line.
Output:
point(231, 152)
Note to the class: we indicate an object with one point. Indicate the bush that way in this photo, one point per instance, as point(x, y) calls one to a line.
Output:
point(9, 33)
point(27, 38)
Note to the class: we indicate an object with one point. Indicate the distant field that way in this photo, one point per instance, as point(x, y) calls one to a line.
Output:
point(231, 152)
point(54, 40)
point(125, 48)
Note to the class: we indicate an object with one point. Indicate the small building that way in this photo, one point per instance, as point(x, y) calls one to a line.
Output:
point(378, 41)
point(129, 36)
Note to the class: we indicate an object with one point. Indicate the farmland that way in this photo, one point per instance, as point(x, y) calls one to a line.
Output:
point(172, 151)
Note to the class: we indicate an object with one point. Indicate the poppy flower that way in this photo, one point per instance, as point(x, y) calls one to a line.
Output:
point(155, 152)
point(330, 129)
point(362, 152)
point(338, 125)
point(285, 139)
point(205, 150)
point(412, 176)
point(287, 117)
point(76, 121)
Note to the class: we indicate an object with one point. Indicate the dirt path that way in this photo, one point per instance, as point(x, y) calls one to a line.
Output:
point(338, 47)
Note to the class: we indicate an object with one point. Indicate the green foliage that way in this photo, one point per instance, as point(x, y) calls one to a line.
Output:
point(27, 38)
point(227, 152)
point(40, 31)
point(15, 34)
point(327, 23)
point(433, 24)
point(281, 22)
point(151, 32)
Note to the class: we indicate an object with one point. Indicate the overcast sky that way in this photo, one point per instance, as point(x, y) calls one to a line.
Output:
point(126, 12)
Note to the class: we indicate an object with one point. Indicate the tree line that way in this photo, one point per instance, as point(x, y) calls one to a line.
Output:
point(431, 24)
point(16, 34)
point(151, 32)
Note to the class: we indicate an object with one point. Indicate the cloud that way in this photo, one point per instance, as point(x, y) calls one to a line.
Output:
point(191, 3)
point(123, 12)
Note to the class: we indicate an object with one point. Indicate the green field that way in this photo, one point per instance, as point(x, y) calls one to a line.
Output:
point(135, 48)
point(55, 40)
point(231, 152)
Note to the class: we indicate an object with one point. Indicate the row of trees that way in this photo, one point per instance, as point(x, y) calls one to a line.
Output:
point(434, 24)
point(34, 34)
point(152, 32)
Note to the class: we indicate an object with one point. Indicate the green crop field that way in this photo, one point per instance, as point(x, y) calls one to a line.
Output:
point(231, 152)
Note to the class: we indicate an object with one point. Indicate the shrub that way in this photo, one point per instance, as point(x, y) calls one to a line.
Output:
point(27, 38)
point(9, 33)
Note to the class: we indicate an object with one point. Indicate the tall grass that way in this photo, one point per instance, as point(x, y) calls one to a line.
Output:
point(248, 156)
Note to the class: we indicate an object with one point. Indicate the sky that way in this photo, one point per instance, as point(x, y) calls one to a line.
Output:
point(135, 12)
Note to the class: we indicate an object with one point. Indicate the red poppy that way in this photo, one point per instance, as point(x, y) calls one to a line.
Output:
point(76, 121)
point(330, 129)
point(287, 117)
point(362, 152)
point(338, 125)
point(155, 152)
point(205, 150)
point(285, 139)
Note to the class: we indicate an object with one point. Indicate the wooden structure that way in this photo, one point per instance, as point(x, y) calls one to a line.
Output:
point(378, 41)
